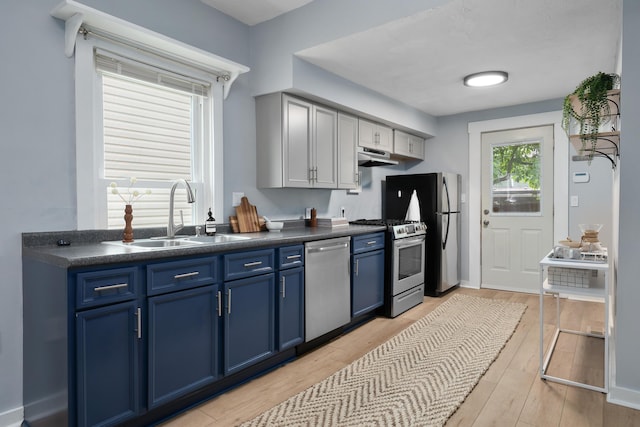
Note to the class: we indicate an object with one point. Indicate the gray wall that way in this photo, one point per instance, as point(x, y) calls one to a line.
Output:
point(627, 352)
point(595, 198)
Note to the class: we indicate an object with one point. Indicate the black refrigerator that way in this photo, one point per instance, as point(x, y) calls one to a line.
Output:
point(439, 202)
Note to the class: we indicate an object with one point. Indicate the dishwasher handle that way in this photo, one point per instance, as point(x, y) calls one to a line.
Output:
point(328, 248)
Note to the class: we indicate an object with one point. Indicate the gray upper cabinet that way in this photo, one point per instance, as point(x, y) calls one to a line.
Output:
point(407, 145)
point(297, 143)
point(347, 156)
point(375, 135)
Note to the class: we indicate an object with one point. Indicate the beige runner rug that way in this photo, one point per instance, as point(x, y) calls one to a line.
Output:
point(417, 378)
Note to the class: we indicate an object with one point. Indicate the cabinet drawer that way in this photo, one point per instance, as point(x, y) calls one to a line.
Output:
point(106, 286)
point(246, 264)
point(183, 274)
point(367, 242)
point(291, 256)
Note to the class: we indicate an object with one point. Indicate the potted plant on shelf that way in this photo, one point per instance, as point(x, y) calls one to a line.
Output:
point(589, 105)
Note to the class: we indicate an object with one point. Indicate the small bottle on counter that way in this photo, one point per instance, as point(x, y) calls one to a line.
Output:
point(313, 222)
point(210, 225)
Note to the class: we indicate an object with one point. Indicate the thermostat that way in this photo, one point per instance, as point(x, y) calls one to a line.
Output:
point(581, 177)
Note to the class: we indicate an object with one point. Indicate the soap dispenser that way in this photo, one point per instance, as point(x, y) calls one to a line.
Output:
point(210, 225)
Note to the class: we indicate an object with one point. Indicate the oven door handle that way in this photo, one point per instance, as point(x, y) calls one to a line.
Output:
point(404, 242)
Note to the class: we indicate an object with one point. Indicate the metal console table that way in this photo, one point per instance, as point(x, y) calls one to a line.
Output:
point(600, 291)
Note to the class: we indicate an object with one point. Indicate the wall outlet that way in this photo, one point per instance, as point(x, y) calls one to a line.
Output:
point(307, 213)
point(237, 198)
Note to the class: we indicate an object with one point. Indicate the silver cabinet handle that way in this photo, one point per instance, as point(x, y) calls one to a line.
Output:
point(373, 242)
point(357, 266)
point(294, 256)
point(253, 264)
point(229, 302)
point(284, 288)
point(139, 322)
point(219, 297)
point(109, 287)
point(185, 275)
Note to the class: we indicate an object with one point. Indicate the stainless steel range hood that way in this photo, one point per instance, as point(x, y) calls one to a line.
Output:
point(368, 157)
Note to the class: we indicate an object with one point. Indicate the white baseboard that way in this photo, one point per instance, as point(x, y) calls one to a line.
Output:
point(467, 284)
point(12, 417)
point(624, 397)
point(510, 289)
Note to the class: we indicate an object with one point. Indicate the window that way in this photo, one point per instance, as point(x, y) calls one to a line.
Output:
point(146, 117)
point(516, 178)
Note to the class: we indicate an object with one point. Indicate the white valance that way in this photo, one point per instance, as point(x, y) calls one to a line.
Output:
point(77, 15)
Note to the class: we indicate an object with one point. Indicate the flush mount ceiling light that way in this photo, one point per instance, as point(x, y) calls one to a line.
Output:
point(486, 78)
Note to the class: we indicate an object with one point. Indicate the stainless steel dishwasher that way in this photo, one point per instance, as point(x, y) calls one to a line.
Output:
point(327, 286)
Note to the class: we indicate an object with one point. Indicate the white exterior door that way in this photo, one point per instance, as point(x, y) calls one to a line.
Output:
point(517, 206)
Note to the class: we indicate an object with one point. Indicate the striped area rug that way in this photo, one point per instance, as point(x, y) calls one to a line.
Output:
point(417, 378)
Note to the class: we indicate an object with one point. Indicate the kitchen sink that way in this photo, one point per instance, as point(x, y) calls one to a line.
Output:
point(218, 238)
point(161, 243)
point(176, 242)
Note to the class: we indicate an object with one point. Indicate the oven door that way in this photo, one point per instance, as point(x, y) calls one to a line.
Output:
point(408, 263)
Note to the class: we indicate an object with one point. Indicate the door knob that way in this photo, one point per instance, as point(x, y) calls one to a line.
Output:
point(486, 211)
point(485, 222)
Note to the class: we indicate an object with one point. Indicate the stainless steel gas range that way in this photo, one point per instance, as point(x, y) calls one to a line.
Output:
point(404, 263)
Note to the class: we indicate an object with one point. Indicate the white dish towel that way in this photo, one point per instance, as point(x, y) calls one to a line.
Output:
point(413, 213)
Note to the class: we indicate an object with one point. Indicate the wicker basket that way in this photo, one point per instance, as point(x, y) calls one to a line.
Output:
point(574, 277)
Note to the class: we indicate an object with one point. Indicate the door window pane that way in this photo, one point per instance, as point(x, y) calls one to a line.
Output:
point(516, 178)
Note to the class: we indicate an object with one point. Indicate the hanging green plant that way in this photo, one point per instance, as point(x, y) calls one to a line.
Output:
point(588, 104)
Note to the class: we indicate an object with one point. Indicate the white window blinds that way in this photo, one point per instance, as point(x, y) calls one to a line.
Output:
point(151, 122)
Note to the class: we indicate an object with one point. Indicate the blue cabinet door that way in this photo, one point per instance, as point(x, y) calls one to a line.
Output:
point(183, 343)
point(290, 307)
point(367, 282)
point(249, 330)
point(108, 368)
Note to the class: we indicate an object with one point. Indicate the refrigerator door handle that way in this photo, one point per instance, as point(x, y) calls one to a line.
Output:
point(445, 187)
point(446, 236)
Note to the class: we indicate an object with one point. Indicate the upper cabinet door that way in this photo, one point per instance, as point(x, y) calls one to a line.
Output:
point(407, 145)
point(347, 156)
point(297, 139)
point(324, 148)
point(374, 135)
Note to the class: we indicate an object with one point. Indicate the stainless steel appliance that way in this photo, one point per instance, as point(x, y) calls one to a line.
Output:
point(439, 201)
point(404, 263)
point(327, 286)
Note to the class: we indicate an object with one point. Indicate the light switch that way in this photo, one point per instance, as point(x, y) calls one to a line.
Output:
point(237, 198)
point(574, 201)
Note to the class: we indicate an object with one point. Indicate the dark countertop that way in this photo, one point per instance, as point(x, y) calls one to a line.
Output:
point(86, 249)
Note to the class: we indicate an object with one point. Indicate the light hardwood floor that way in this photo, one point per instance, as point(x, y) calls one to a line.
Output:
point(509, 394)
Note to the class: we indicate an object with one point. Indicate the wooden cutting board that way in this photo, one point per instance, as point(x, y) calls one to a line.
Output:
point(233, 223)
point(247, 217)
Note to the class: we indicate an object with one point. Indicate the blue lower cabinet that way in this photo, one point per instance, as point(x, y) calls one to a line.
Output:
point(183, 343)
point(108, 367)
point(367, 282)
point(290, 308)
point(249, 329)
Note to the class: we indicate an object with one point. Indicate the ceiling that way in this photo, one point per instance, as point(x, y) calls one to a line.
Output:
point(253, 12)
point(421, 60)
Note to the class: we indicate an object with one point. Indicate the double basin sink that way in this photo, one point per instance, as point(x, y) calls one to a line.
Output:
point(178, 241)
